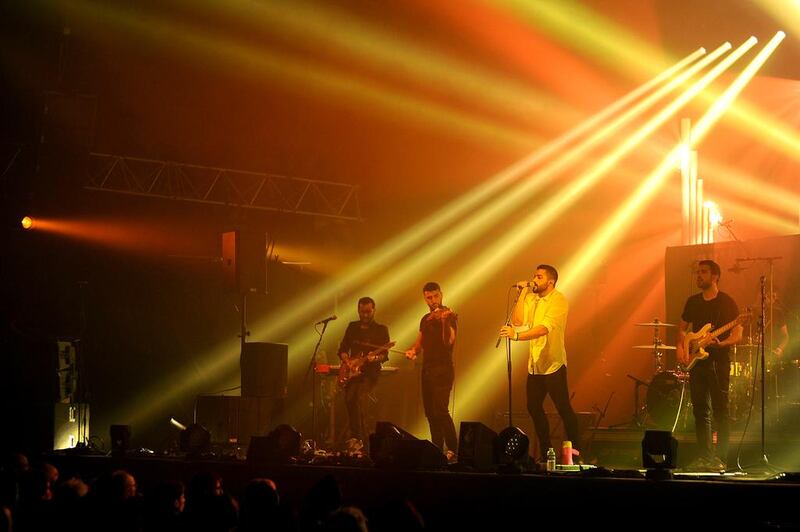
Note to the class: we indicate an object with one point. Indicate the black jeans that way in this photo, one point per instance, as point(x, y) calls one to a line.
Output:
point(555, 384)
point(356, 398)
point(708, 383)
point(437, 382)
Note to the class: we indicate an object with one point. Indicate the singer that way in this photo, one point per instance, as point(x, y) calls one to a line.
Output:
point(436, 339)
point(540, 316)
point(360, 334)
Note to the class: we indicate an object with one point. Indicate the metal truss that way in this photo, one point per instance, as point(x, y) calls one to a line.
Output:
point(221, 186)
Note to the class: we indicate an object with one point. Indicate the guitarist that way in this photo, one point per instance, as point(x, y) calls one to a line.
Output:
point(709, 378)
point(359, 334)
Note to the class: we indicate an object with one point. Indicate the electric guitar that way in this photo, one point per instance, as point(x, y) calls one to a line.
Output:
point(352, 368)
point(694, 343)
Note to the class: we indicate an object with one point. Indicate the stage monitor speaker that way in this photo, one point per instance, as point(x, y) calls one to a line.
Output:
point(393, 448)
point(265, 368)
point(244, 261)
point(477, 446)
point(281, 446)
point(234, 419)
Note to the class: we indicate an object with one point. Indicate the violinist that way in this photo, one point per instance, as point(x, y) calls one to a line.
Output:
point(436, 339)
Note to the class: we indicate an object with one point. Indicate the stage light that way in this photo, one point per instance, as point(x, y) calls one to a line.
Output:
point(512, 447)
point(177, 424)
point(714, 216)
point(195, 440)
point(27, 222)
point(659, 454)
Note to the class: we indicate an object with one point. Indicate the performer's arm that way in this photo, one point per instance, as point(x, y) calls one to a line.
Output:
point(680, 352)
point(733, 338)
point(415, 349)
point(518, 315)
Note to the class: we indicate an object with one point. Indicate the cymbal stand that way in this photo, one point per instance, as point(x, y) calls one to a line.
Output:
point(637, 420)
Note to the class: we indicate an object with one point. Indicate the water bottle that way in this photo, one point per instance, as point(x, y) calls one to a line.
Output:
point(551, 459)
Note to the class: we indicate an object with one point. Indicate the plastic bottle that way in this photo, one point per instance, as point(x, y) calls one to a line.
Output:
point(566, 452)
point(551, 459)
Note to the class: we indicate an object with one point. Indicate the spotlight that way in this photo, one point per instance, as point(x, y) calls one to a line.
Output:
point(512, 448)
point(659, 454)
point(195, 440)
point(27, 222)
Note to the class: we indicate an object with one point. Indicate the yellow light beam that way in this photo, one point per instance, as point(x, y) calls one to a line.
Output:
point(605, 239)
point(335, 30)
point(307, 75)
point(303, 308)
point(579, 26)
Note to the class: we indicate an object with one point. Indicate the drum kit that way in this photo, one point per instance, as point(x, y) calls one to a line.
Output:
point(667, 397)
point(668, 400)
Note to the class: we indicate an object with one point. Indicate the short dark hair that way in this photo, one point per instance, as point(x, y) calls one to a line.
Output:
point(366, 300)
point(713, 266)
point(431, 287)
point(551, 272)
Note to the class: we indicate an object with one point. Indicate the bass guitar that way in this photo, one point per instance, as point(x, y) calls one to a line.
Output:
point(694, 343)
point(352, 368)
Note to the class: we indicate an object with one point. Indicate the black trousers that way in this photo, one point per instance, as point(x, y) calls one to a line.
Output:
point(708, 383)
point(437, 382)
point(555, 384)
point(356, 399)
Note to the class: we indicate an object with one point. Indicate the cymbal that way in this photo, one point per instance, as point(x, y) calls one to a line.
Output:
point(655, 347)
point(655, 323)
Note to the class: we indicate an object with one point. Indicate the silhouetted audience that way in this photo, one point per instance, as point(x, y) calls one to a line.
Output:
point(164, 506)
point(208, 508)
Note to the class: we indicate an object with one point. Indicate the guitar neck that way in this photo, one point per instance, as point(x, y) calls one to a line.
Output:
point(725, 328)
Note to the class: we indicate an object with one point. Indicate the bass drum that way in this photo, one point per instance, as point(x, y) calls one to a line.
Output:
point(668, 400)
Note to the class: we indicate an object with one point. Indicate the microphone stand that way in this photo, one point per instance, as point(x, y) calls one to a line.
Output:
point(508, 353)
point(763, 459)
point(312, 368)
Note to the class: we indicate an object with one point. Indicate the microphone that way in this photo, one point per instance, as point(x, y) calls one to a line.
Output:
point(528, 284)
point(326, 320)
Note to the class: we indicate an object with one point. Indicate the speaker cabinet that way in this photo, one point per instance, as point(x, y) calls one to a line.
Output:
point(234, 419)
point(265, 369)
point(244, 261)
point(477, 446)
point(393, 448)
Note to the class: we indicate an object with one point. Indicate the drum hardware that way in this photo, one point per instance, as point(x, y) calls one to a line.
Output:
point(657, 347)
point(639, 413)
point(655, 323)
point(668, 400)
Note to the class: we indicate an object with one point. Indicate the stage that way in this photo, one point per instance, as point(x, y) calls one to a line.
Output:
point(449, 499)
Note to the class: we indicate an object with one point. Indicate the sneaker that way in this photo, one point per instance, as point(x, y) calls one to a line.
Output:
point(698, 465)
point(716, 464)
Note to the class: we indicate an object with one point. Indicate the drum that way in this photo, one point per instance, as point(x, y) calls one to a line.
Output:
point(667, 398)
point(788, 381)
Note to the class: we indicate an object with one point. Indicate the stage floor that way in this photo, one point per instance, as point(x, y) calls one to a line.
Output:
point(453, 497)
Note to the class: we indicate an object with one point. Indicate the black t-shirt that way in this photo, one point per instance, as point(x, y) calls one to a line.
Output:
point(436, 349)
point(374, 334)
point(718, 312)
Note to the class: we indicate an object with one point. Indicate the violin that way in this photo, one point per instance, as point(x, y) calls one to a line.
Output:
point(441, 313)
